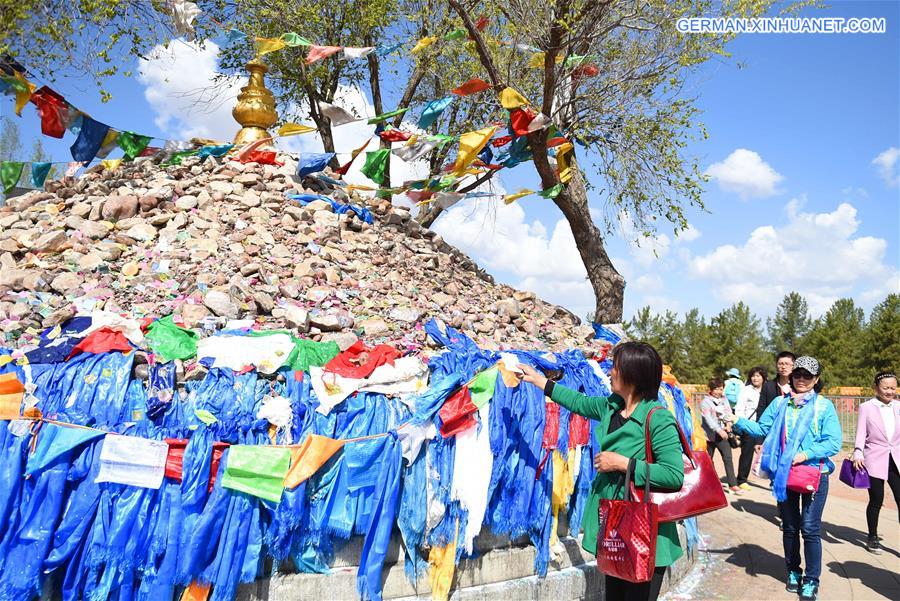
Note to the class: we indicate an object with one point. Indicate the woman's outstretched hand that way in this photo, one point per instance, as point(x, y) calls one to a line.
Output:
point(532, 376)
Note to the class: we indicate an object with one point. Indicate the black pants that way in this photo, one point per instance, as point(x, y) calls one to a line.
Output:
point(876, 495)
point(745, 462)
point(725, 452)
point(622, 590)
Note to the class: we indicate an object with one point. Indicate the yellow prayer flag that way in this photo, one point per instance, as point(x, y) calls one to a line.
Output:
point(443, 564)
point(267, 45)
point(23, 96)
point(511, 198)
point(294, 129)
point(510, 99)
point(537, 60)
point(470, 144)
point(111, 163)
point(12, 391)
point(423, 44)
point(360, 187)
point(564, 161)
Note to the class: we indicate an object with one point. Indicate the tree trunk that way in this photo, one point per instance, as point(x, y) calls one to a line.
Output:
point(375, 86)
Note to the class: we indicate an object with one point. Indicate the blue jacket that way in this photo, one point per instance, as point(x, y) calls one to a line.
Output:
point(822, 440)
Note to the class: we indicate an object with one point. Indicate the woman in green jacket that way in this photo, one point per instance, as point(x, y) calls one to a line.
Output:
point(635, 378)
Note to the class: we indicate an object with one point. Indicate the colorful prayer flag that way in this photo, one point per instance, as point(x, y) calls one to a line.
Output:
point(89, 140)
point(470, 144)
point(266, 45)
point(313, 163)
point(109, 143)
point(457, 34)
point(394, 135)
point(538, 123)
point(294, 129)
point(473, 86)
point(133, 144)
point(386, 116)
point(416, 148)
point(553, 192)
point(53, 111)
point(511, 198)
point(510, 99)
point(351, 52)
point(376, 165)
point(433, 110)
point(111, 163)
point(292, 39)
point(317, 53)
point(39, 173)
point(564, 161)
point(309, 457)
point(10, 172)
point(257, 470)
point(23, 88)
point(423, 44)
point(336, 114)
point(343, 169)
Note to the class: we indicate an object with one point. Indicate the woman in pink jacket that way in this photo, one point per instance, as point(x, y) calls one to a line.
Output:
point(878, 449)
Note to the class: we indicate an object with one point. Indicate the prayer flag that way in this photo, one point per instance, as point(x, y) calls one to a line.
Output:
point(501, 141)
point(294, 129)
point(538, 58)
point(313, 163)
point(23, 88)
point(39, 173)
point(445, 200)
point(317, 53)
point(553, 192)
point(72, 168)
point(383, 50)
point(510, 99)
point(457, 413)
point(564, 161)
point(343, 169)
point(133, 461)
point(336, 114)
point(257, 470)
point(292, 39)
point(10, 172)
point(214, 151)
point(306, 460)
point(457, 34)
point(12, 391)
point(266, 45)
point(133, 144)
point(183, 14)
point(585, 71)
point(386, 116)
point(433, 110)
point(482, 387)
point(394, 135)
point(473, 86)
point(538, 123)
point(89, 140)
point(520, 119)
point(351, 52)
point(511, 198)
point(111, 163)
point(376, 165)
point(416, 149)
point(470, 144)
point(235, 35)
point(110, 141)
point(423, 44)
point(53, 111)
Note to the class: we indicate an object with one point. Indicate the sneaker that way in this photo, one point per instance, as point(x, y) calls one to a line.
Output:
point(873, 546)
point(793, 582)
point(745, 486)
point(809, 591)
point(736, 490)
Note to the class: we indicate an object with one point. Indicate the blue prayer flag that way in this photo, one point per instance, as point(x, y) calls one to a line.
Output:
point(39, 173)
point(89, 140)
point(313, 162)
point(433, 110)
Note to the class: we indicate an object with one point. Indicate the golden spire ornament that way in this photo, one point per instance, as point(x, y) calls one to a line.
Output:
point(255, 109)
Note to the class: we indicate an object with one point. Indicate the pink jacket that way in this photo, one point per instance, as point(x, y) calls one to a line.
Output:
point(871, 438)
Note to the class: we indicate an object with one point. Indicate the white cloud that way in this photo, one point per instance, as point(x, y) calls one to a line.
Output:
point(180, 86)
point(887, 163)
point(819, 255)
point(689, 234)
point(534, 258)
point(646, 250)
point(745, 173)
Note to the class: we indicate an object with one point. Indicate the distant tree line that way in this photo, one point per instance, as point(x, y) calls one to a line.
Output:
point(850, 347)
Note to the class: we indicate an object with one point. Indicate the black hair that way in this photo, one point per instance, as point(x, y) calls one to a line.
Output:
point(884, 375)
point(715, 383)
point(639, 365)
point(759, 369)
point(784, 354)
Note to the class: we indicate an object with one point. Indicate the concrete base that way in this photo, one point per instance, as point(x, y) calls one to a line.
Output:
point(503, 570)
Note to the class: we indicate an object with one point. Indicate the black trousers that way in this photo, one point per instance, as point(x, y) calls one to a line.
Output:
point(725, 452)
point(876, 495)
point(622, 590)
point(745, 461)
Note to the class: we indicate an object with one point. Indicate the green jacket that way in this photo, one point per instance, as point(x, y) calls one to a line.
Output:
point(667, 470)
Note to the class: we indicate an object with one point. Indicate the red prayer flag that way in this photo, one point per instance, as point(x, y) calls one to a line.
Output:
point(359, 361)
point(481, 23)
point(557, 141)
point(501, 141)
point(175, 457)
point(473, 86)
point(53, 110)
point(586, 71)
point(520, 119)
point(317, 53)
point(343, 169)
point(100, 341)
point(149, 151)
point(263, 157)
point(551, 426)
point(457, 413)
point(419, 195)
point(394, 135)
point(579, 431)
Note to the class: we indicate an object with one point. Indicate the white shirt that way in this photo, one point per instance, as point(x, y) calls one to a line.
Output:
point(747, 401)
point(888, 418)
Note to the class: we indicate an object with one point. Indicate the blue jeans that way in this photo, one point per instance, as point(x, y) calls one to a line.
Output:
point(802, 515)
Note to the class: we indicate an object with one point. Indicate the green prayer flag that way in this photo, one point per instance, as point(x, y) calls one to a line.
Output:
point(482, 386)
point(10, 172)
point(133, 144)
point(39, 173)
point(457, 34)
point(205, 416)
point(376, 165)
point(169, 341)
point(385, 116)
point(257, 470)
point(293, 39)
point(175, 159)
point(553, 192)
point(306, 352)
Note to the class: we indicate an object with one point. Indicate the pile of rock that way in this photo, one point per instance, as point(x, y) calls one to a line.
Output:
point(215, 240)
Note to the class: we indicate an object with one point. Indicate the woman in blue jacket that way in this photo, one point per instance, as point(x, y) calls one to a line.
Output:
point(800, 428)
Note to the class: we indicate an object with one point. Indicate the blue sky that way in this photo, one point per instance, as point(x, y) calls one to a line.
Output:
point(802, 150)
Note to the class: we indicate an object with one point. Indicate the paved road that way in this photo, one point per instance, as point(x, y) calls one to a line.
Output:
point(744, 558)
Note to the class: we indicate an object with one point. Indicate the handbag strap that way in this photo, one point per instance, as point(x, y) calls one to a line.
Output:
point(629, 481)
point(648, 448)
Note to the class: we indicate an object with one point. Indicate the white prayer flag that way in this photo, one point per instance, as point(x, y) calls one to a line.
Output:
point(336, 114)
point(133, 461)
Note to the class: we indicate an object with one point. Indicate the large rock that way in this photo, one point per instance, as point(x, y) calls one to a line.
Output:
point(221, 304)
point(120, 207)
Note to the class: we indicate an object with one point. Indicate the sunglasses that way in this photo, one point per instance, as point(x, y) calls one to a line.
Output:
point(803, 375)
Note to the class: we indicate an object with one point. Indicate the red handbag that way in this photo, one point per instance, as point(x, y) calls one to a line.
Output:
point(626, 535)
point(701, 491)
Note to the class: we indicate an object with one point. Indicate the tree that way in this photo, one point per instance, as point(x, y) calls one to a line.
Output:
point(630, 115)
point(82, 37)
point(836, 340)
point(10, 140)
point(881, 342)
point(691, 364)
point(790, 324)
point(735, 340)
